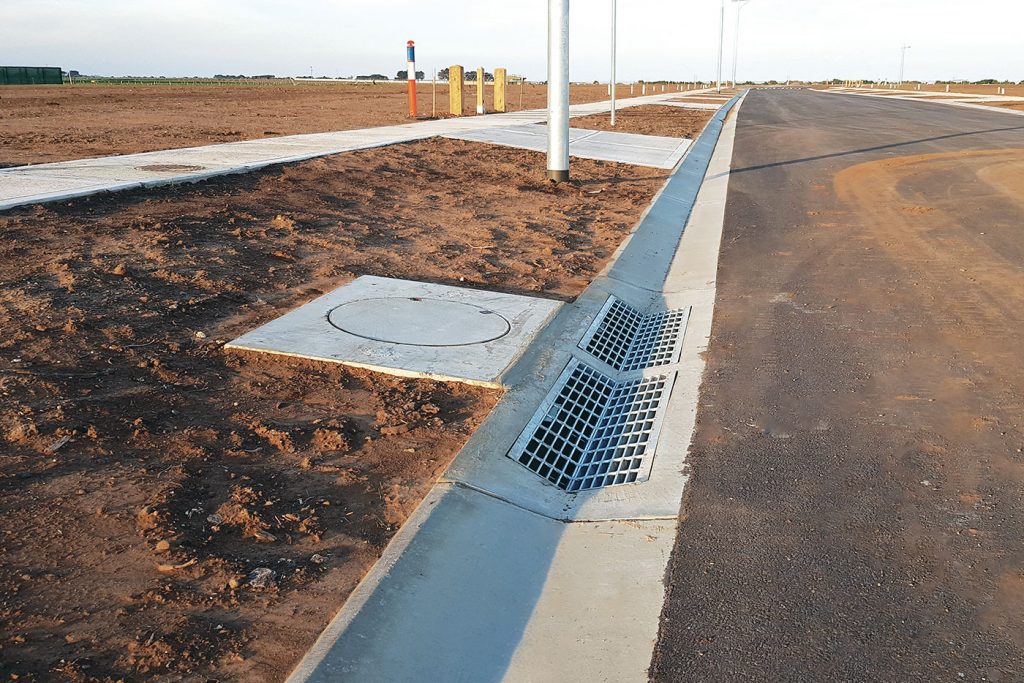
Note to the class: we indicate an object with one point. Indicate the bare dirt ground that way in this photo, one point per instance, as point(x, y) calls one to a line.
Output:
point(1011, 89)
point(701, 100)
point(171, 511)
point(1017, 106)
point(55, 123)
point(650, 119)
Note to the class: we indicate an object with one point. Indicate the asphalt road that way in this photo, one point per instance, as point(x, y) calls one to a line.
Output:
point(856, 511)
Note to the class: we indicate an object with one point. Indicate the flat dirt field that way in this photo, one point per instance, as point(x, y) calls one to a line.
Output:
point(56, 123)
point(1011, 89)
point(650, 119)
point(1018, 106)
point(172, 511)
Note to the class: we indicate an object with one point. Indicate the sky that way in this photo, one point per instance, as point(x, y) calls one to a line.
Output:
point(657, 39)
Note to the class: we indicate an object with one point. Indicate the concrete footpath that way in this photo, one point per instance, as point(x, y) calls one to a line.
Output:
point(58, 181)
point(499, 575)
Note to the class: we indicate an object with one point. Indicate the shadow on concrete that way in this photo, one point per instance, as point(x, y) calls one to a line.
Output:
point(456, 603)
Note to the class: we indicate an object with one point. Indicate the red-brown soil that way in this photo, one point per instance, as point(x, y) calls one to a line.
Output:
point(701, 100)
point(1018, 106)
point(650, 119)
point(55, 123)
point(1011, 89)
point(149, 479)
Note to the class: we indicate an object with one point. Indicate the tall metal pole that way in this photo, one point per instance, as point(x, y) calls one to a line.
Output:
point(903, 60)
point(558, 90)
point(721, 44)
point(736, 39)
point(613, 63)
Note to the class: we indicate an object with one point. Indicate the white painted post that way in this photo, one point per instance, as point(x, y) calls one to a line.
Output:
point(558, 90)
point(611, 84)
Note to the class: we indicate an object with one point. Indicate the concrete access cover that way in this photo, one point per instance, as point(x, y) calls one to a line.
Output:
point(415, 321)
point(413, 329)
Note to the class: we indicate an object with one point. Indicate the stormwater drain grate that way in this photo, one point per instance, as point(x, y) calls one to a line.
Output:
point(628, 339)
point(593, 431)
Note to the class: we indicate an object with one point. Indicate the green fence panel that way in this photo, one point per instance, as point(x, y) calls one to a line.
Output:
point(30, 75)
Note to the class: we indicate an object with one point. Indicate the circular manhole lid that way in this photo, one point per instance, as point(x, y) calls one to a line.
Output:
point(417, 321)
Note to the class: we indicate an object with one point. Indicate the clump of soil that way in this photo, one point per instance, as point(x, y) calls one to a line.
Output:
point(171, 511)
point(650, 119)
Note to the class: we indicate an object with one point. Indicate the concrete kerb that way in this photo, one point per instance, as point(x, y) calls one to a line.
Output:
point(478, 585)
point(636, 274)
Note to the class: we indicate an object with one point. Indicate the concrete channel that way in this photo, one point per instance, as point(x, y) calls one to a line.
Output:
point(504, 572)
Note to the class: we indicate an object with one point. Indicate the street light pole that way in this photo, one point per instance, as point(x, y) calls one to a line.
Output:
point(558, 90)
point(613, 63)
point(721, 43)
point(736, 39)
point(903, 60)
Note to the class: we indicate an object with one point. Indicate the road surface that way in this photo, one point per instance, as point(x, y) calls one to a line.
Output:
point(857, 506)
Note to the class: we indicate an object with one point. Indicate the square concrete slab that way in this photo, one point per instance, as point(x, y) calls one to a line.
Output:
point(626, 148)
point(407, 328)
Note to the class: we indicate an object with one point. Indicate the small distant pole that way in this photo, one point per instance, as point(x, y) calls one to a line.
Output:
point(480, 90)
point(522, 84)
point(500, 81)
point(433, 96)
point(456, 83)
point(410, 59)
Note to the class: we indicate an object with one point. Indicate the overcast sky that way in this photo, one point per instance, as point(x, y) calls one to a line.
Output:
point(658, 39)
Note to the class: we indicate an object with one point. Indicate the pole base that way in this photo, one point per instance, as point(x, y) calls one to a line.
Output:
point(558, 176)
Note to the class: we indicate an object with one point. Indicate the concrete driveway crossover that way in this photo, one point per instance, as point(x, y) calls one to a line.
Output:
point(856, 507)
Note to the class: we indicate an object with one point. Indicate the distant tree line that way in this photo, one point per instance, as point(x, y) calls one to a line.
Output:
point(403, 75)
point(243, 76)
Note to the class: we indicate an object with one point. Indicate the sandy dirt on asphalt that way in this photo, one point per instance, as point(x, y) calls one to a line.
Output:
point(54, 123)
point(650, 119)
point(921, 260)
point(172, 511)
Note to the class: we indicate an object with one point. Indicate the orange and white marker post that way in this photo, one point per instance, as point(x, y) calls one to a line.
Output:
point(410, 58)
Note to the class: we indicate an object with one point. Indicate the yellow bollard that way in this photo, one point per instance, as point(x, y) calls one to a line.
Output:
point(456, 81)
point(480, 90)
point(500, 80)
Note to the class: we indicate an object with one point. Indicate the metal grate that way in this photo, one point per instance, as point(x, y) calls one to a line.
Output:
point(592, 431)
point(627, 339)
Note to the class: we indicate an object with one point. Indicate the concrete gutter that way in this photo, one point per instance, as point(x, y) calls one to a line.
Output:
point(501, 576)
point(60, 181)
